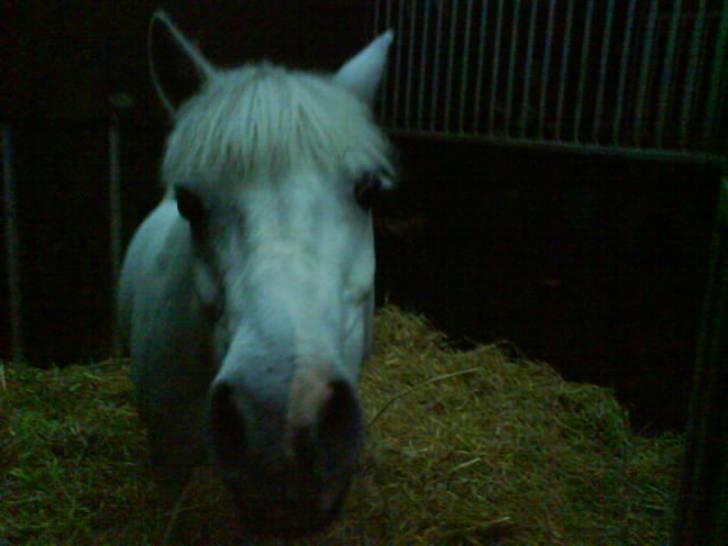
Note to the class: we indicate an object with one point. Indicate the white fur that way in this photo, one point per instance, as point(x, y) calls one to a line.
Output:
point(363, 72)
point(265, 120)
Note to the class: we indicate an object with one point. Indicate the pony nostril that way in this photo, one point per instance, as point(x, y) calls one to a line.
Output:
point(335, 436)
point(227, 426)
point(340, 412)
point(304, 448)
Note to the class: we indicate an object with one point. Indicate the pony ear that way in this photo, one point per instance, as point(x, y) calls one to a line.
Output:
point(363, 72)
point(202, 68)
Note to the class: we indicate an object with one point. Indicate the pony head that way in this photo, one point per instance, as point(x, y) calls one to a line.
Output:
point(274, 172)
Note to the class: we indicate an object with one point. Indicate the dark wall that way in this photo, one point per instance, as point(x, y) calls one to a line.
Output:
point(594, 264)
point(63, 58)
point(62, 190)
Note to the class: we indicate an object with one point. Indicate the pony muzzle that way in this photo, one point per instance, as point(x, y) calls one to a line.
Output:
point(287, 466)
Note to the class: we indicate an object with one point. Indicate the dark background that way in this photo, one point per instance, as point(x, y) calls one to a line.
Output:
point(595, 264)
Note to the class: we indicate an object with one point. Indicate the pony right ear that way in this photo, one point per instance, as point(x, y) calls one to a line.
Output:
point(196, 69)
point(363, 72)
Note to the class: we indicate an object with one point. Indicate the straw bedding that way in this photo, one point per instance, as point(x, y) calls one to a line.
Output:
point(463, 448)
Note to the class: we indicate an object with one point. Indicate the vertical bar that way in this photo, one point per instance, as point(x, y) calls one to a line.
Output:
point(466, 65)
point(436, 65)
point(719, 115)
point(115, 224)
point(545, 68)
point(701, 515)
point(583, 69)
point(385, 79)
point(481, 58)
point(450, 65)
point(12, 246)
point(623, 71)
point(375, 24)
point(645, 72)
point(666, 83)
point(410, 66)
point(423, 67)
point(694, 58)
point(398, 65)
point(529, 62)
point(564, 68)
point(512, 64)
point(603, 70)
point(721, 44)
point(496, 62)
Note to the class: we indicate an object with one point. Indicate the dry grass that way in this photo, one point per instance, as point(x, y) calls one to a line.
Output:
point(478, 447)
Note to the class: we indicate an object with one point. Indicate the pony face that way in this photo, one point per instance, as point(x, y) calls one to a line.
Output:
point(287, 278)
point(274, 172)
point(285, 269)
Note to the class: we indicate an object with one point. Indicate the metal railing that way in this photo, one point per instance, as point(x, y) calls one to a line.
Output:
point(614, 74)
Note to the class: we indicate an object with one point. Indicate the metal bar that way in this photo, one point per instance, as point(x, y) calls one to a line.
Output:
point(645, 72)
point(512, 64)
point(718, 73)
point(410, 63)
point(623, 70)
point(12, 247)
point(375, 24)
point(564, 68)
point(496, 62)
point(466, 65)
point(385, 79)
point(545, 68)
point(481, 57)
point(665, 85)
point(719, 115)
point(694, 58)
point(701, 514)
point(423, 68)
point(606, 40)
point(398, 65)
point(646, 154)
point(436, 67)
point(529, 63)
point(375, 32)
point(450, 65)
point(583, 69)
point(115, 223)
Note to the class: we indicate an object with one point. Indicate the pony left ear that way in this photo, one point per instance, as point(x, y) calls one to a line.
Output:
point(363, 72)
point(205, 70)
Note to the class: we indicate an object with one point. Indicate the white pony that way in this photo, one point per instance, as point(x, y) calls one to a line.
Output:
point(246, 296)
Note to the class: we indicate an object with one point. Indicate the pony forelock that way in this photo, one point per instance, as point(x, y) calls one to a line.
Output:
point(263, 119)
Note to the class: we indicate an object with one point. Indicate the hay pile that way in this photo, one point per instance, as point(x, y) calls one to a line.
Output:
point(476, 447)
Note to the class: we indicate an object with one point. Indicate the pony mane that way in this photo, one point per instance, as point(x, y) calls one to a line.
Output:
point(262, 119)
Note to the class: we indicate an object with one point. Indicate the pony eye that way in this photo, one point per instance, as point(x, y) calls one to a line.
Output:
point(190, 205)
point(366, 190)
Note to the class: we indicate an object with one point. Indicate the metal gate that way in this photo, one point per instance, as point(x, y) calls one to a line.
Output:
point(609, 74)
